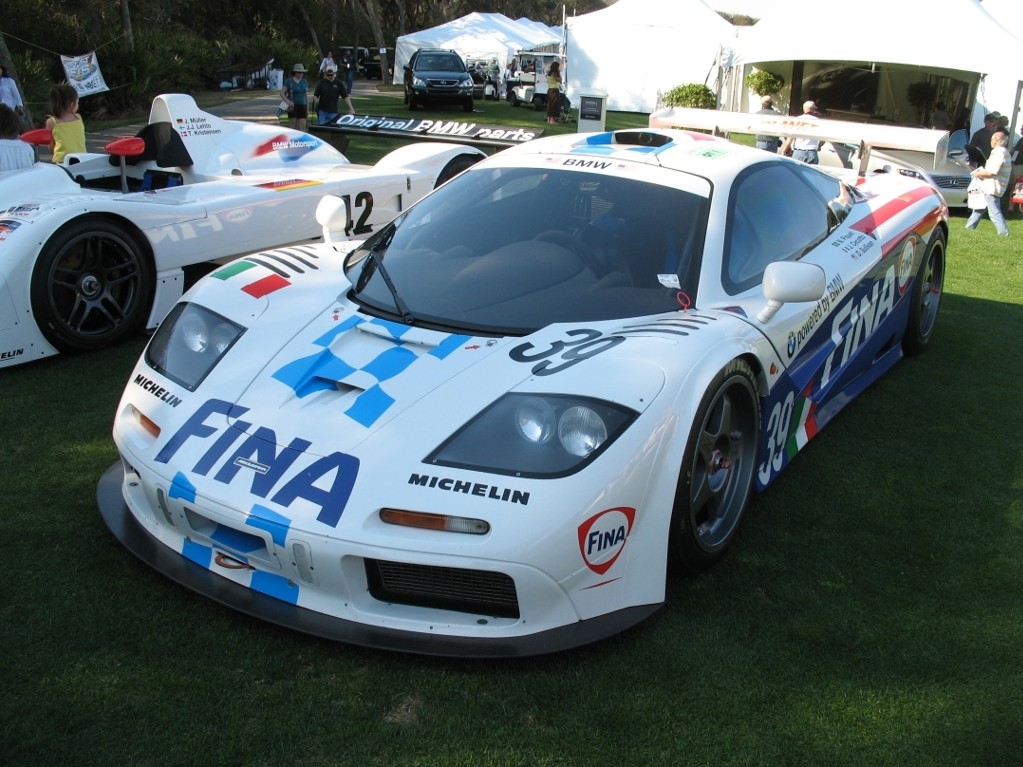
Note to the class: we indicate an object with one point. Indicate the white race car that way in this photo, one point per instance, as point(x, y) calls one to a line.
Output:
point(461, 436)
point(95, 248)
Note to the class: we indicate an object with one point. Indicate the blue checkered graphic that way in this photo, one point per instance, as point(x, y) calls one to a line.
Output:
point(324, 370)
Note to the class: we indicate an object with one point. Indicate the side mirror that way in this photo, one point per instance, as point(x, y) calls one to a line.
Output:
point(790, 282)
point(332, 215)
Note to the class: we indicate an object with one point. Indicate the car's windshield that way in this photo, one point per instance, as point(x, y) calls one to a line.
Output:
point(510, 250)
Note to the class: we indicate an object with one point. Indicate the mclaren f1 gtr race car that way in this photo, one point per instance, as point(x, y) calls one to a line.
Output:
point(95, 248)
point(493, 440)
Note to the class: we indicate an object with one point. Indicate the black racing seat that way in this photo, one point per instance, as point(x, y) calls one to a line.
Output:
point(163, 146)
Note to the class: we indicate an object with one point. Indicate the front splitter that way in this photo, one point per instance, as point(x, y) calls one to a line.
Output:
point(139, 542)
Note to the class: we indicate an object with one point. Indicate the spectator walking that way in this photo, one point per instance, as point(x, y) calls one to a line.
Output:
point(768, 143)
point(980, 141)
point(65, 124)
point(329, 91)
point(349, 65)
point(994, 178)
point(9, 93)
point(296, 93)
point(804, 149)
point(14, 153)
point(553, 93)
point(327, 63)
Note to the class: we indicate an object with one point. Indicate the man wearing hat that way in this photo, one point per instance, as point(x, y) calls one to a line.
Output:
point(980, 143)
point(329, 91)
point(768, 143)
point(804, 149)
point(296, 93)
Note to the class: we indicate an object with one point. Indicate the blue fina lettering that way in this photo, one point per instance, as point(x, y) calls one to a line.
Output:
point(261, 446)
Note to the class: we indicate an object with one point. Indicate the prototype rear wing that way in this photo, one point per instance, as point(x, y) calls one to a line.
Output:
point(867, 136)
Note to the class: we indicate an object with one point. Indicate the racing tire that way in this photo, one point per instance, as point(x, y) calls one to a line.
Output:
point(926, 297)
point(718, 469)
point(456, 166)
point(91, 285)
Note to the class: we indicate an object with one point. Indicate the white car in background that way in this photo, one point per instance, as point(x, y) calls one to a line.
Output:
point(850, 148)
point(95, 248)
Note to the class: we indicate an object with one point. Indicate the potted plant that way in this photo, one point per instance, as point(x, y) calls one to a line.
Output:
point(691, 95)
point(764, 83)
point(920, 96)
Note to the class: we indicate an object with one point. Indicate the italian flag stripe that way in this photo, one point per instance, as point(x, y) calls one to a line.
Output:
point(804, 427)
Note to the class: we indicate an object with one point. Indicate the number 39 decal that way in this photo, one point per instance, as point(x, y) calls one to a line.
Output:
point(589, 344)
point(777, 437)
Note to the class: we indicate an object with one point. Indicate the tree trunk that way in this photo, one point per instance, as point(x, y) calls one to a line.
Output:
point(126, 24)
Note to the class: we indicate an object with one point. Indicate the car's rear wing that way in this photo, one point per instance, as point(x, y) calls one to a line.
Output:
point(867, 135)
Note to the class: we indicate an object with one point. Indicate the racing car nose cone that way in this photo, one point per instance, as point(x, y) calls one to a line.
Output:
point(90, 286)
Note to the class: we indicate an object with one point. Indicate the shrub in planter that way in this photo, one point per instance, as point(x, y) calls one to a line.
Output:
point(764, 83)
point(691, 95)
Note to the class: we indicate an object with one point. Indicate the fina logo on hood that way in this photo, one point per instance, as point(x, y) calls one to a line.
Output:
point(602, 537)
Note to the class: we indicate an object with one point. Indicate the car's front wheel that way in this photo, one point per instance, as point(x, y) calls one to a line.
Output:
point(467, 105)
point(716, 480)
point(926, 296)
point(91, 285)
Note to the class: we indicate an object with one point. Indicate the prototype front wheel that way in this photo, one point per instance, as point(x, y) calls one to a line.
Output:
point(926, 297)
point(718, 468)
point(91, 285)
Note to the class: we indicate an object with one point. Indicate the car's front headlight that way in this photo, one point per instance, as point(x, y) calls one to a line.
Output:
point(911, 173)
point(418, 82)
point(466, 85)
point(190, 342)
point(535, 435)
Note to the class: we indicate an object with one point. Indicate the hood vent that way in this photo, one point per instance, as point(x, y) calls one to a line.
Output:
point(685, 325)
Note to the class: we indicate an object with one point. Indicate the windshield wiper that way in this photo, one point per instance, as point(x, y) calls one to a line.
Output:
point(376, 261)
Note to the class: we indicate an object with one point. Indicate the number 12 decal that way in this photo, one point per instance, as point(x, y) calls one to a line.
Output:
point(363, 200)
point(569, 352)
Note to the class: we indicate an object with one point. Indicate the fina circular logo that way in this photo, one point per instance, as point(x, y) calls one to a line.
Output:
point(602, 537)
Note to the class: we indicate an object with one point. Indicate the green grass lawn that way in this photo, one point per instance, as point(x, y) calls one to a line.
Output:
point(870, 613)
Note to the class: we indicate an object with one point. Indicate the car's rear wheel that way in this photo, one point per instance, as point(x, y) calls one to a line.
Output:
point(718, 468)
point(926, 296)
point(514, 99)
point(91, 285)
point(456, 166)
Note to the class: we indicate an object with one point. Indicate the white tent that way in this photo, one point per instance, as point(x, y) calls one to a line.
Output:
point(952, 38)
point(475, 35)
point(1008, 13)
point(634, 49)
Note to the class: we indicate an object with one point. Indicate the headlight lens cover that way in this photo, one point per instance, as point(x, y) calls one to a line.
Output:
point(535, 435)
point(190, 342)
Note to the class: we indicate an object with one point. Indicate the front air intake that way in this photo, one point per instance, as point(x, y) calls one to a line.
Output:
point(479, 592)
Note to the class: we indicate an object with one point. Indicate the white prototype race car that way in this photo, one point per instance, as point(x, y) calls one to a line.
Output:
point(492, 440)
point(95, 248)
